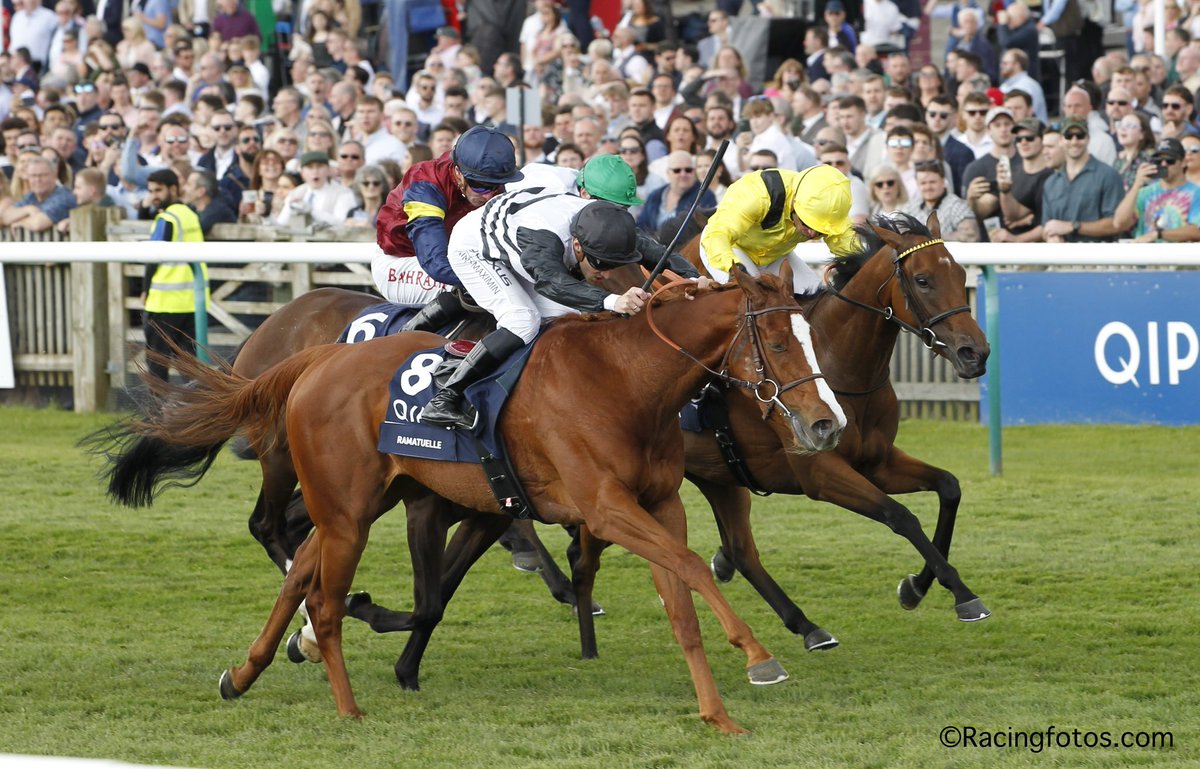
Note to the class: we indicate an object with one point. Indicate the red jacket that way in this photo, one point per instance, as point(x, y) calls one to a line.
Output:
point(418, 215)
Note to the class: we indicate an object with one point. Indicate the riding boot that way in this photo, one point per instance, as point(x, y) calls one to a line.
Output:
point(446, 408)
point(439, 313)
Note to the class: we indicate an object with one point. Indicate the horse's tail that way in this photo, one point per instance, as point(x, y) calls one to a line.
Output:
point(182, 428)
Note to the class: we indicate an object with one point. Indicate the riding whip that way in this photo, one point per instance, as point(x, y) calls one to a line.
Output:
point(712, 171)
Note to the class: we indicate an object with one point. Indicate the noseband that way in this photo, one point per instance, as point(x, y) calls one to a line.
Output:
point(767, 389)
point(924, 331)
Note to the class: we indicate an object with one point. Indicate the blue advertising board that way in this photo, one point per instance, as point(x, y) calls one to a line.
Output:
point(1097, 347)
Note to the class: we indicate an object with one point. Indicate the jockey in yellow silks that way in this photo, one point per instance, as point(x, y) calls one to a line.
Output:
point(765, 214)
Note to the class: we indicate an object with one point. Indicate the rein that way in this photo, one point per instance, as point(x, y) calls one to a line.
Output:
point(750, 324)
point(924, 331)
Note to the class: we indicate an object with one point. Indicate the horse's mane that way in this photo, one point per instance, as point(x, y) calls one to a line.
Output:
point(846, 266)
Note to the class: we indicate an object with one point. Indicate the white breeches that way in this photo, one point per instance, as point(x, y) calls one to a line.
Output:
point(509, 297)
point(804, 278)
point(402, 280)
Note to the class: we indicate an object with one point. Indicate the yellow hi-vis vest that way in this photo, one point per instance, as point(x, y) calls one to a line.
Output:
point(173, 289)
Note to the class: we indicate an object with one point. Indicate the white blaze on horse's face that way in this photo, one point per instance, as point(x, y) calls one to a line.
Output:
point(803, 332)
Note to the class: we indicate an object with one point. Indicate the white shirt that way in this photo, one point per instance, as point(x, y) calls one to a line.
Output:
point(33, 31)
point(330, 205)
point(222, 160)
point(773, 139)
point(882, 20)
point(381, 145)
point(632, 65)
point(260, 75)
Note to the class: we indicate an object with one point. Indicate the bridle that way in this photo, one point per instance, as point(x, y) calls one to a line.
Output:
point(767, 389)
point(924, 330)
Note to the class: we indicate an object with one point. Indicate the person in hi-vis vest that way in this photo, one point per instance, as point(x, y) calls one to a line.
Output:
point(170, 295)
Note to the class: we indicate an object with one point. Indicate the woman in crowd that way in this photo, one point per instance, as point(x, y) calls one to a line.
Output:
point(788, 77)
point(633, 151)
point(264, 178)
point(721, 181)
point(682, 136)
point(134, 47)
point(69, 66)
point(393, 172)
point(286, 143)
point(929, 84)
point(319, 25)
point(287, 182)
point(887, 190)
point(321, 138)
point(729, 60)
point(569, 156)
point(370, 190)
point(539, 51)
point(62, 171)
point(1136, 140)
point(99, 58)
point(647, 27)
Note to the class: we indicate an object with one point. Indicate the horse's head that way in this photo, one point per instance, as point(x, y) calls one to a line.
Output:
point(929, 293)
point(774, 353)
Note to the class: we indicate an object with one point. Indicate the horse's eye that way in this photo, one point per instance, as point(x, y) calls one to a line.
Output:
point(922, 281)
point(777, 347)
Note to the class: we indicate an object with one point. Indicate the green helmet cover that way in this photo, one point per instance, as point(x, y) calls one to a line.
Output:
point(607, 177)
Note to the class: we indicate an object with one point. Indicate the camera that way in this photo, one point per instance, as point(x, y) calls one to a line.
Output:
point(1160, 171)
point(743, 126)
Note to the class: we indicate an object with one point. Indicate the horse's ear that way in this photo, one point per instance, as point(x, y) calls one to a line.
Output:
point(890, 237)
point(935, 227)
point(785, 278)
point(748, 283)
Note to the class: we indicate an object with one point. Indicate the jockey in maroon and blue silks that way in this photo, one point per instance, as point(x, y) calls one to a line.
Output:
point(413, 228)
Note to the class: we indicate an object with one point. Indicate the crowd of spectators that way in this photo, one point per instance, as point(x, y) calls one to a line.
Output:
point(313, 130)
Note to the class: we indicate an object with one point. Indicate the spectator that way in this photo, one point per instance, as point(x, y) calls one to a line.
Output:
point(1053, 150)
point(90, 189)
point(402, 123)
point(954, 215)
point(370, 188)
point(900, 157)
point(1017, 30)
point(569, 155)
point(887, 191)
point(351, 157)
point(882, 24)
point(864, 142)
point(1014, 66)
point(1078, 201)
point(223, 152)
point(718, 37)
point(449, 43)
point(682, 136)
point(1080, 103)
point(979, 180)
point(155, 16)
point(234, 21)
point(1177, 110)
point(840, 33)
point(1191, 157)
point(633, 152)
point(1021, 190)
point(287, 183)
point(286, 108)
point(764, 133)
point(441, 139)
point(46, 203)
point(930, 84)
point(641, 114)
point(677, 196)
point(423, 99)
point(666, 99)
point(238, 178)
point(721, 181)
point(32, 28)
point(1135, 140)
point(816, 43)
point(586, 135)
point(1167, 210)
point(201, 192)
point(374, 137)
point(836, 155)
point(134, 47)
point(264, 181)
point(728, 75)
point(327, 203)
point(320, 137)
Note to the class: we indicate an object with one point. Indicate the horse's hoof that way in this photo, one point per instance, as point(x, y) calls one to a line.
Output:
point(356, 602)
point(722, 567)
point(228, 690)
point(407, 681)
point(597, 609)
point(972, 611)
point(767, 673)
point(909, 594)
point(527, 561)
point(819, 640)
point(293, 649)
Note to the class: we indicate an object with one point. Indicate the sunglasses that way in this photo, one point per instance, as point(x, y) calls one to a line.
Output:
point(1117, 103)
point(348, 156)
point(899, 143)
point(370, 183)
point(976, 112)
point(111, 126)
point(600, 265)
point(1172, 105)
point(85, 88)
point(1025, 138)
point(885, 183)
point(482, 188)
point(223, 127)
point(248, 140)
point(1165, 161)
point(941, 115)
point(1075, 136)
point(682, 170)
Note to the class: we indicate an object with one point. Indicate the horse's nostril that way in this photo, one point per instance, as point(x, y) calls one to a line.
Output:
point(822, 428)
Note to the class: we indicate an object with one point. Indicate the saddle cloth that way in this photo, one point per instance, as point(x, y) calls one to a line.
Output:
point(412, 387)
point(378, 320)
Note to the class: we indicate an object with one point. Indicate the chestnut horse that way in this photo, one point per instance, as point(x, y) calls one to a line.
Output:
point(905, 279)
point(592, 428)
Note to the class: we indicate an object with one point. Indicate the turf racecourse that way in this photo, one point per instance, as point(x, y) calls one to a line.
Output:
point(116, 624)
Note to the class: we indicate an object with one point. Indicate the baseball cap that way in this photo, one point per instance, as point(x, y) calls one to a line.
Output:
point(835, 6)
point(448, 31)
point(1074, 122)
point(1168, 148)
point(1032, 125)
point(314, 156)
point(996, 112)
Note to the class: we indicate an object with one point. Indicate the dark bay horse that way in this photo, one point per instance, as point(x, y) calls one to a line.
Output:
point(593, 430)
point(906, 279)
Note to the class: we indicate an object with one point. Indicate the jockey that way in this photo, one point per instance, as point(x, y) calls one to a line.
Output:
point(526, 257)
point(765, 214)
point(418, 215)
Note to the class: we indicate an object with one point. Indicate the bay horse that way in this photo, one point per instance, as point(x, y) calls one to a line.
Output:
point(903, 280)
point(592, 428)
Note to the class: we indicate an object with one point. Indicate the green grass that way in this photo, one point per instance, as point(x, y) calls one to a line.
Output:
point(116, 624)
